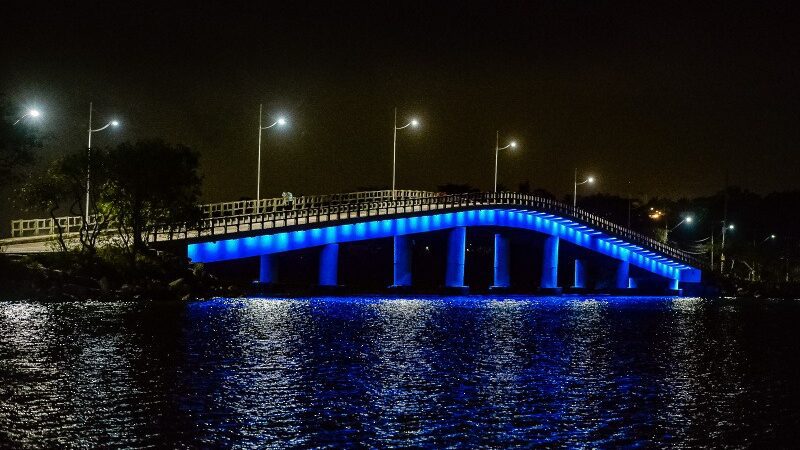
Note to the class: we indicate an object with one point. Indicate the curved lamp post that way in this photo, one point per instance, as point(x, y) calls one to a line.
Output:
point(497, 148)
point(589, 179)
point(280, 121)
point(34, 113)
point(113, 123)
point(687, 220)
point(413, 123)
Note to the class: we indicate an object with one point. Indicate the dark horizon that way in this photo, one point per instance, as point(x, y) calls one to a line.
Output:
point(670, 98)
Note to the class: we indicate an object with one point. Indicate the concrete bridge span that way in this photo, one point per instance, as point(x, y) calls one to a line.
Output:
point(330, 226)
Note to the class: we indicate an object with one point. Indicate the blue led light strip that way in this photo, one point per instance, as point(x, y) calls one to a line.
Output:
point(570, 231)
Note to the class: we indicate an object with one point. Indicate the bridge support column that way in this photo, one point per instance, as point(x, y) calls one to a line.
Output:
point(674, 284)
point(502, 279)
point(550, 264)
point(456, 254)
point(329, 265)
point(268, 269)
point(402, 261)
point(579, 280)
point(623, 275)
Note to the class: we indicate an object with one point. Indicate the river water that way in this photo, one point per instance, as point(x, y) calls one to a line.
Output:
point(401, 372)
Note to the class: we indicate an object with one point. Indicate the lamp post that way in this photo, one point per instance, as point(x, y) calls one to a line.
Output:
point(412, 123)
point(725, 227)
point(112, 123)
point(668, 230)
point(589, 179)
point(497, 148)
point(34, 113)
point(279, 122)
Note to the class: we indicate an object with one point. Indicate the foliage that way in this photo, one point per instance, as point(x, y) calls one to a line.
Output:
point(151, 183)
point(62, 188)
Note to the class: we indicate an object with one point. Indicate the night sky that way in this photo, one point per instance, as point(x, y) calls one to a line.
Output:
point(668, 96)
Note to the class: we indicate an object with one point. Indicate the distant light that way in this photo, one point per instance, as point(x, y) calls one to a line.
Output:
point(730, 227)
point(414, 123)
point(34, 113)
point(772, 236)
point(689, 219)
point(281, 121)
point(114, 123)
point(513, 144)
point(590, 180)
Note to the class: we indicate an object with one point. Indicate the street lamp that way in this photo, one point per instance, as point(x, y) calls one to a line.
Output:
point(34, 113)
point(589, 179)
point(413, 123)
point(687, 220)
point(725, 227)
point(497, 148)
point(113, 123)
point(771, 236)
point(280, 121)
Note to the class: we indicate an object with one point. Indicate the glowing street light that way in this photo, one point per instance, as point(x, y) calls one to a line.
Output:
point(280, 121)
point(497, 148)
point(113, 123)
point(771, 236)
point(33, 113)
point(413, 123)
point(687, 220)
point(589, 179)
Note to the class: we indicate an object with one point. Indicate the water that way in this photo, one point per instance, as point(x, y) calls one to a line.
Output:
point(438, 372)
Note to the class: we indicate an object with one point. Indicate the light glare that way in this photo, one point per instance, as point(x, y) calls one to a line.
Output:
point(114, 123)
point(414, 123)
point(513, 144)
point(34, 113)
point(590, 180)
point(281, 121)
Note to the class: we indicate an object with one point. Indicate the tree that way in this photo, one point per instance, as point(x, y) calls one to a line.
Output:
point(151, 183)
point(17, 143)
point(61, 189)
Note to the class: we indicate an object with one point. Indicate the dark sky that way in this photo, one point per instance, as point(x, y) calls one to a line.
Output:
point(667, 95)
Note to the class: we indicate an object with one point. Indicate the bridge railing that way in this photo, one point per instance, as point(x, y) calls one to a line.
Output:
point(367, 206)
point(72, 224)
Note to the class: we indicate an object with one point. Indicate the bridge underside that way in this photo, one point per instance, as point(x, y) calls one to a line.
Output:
point(556, 228)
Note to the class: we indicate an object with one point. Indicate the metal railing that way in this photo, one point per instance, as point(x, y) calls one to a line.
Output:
point(72, 224)
point(366, 207)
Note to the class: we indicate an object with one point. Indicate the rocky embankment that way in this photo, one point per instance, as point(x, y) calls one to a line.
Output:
point(108, 276)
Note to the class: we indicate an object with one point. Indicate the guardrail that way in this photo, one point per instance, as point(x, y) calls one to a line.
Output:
point(72, 224)
point(380, 206)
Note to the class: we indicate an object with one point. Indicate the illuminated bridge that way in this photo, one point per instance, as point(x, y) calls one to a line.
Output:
point(247, 229)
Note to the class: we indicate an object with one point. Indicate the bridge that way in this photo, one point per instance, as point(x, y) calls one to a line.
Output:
point(266, 228)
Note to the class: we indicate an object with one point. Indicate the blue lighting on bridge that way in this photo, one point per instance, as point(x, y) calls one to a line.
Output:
point(548, 224)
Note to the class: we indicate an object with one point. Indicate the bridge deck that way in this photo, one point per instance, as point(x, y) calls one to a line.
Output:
point(304, 213)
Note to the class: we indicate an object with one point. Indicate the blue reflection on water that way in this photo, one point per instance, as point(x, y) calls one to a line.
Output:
point(405, 372)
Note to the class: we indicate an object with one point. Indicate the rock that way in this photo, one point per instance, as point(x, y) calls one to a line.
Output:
point(199, 270)
point(178, 285)
point(75, 290)
point(105, 285)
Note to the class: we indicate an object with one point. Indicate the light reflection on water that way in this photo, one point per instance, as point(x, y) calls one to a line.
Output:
point(393, 372)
